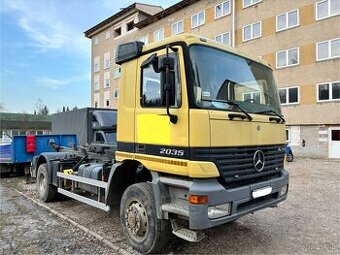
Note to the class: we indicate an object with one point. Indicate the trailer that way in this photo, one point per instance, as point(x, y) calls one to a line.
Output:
point(17, 156)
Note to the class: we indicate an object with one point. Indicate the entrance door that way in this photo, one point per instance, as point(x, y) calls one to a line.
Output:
point(334, 142)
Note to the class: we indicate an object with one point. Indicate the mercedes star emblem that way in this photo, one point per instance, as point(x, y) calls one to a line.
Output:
point(258, 160)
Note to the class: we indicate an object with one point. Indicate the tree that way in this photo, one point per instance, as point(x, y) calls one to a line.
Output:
point(41, 108)
point(75, 108)
point(63, 108)
point(44, 110)
point(2, 107)
point(67, 109)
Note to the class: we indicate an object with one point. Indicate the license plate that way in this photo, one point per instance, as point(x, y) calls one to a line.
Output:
point(262, 192)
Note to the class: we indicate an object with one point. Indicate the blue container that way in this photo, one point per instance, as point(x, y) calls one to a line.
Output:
point(16, 153)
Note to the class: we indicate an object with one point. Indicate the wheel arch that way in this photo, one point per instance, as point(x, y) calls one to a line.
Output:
point(122, 175)
point(47, 158)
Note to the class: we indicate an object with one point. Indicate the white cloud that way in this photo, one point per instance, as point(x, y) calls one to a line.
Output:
point(61, 83)
point(49, 26)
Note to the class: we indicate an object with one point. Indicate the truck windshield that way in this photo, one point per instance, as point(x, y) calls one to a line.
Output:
point(221, 76)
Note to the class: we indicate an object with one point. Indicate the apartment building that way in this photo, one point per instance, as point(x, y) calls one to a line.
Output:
point(300, 40)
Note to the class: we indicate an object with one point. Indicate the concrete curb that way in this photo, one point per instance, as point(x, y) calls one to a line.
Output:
point(100, 238)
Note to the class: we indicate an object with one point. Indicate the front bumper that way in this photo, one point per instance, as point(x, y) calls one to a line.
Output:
point(241, 199)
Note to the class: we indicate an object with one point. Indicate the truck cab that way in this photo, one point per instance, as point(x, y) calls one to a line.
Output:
point(209, 125)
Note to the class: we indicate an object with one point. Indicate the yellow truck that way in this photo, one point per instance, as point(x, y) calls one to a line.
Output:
point(200, 142)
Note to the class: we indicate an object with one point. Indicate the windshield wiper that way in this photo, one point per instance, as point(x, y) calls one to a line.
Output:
point(272, 111)
point(230, 103)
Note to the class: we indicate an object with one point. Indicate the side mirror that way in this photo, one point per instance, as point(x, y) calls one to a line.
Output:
point(169, 88)
point(166, 65)
point(166, 62)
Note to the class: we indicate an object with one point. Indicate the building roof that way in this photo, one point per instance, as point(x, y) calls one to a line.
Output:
point(147, 9)
point(25, 121)
point(160, 15)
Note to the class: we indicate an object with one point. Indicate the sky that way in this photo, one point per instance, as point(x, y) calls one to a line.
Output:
point(44, 56)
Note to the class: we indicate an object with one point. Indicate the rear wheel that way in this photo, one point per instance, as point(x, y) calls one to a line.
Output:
point(144, 231)
point(47, 192)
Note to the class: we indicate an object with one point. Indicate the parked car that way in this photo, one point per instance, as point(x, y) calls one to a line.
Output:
point(289, 153)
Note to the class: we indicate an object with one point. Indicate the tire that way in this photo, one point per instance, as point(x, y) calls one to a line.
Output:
point(290, 157)
point(144, 231)
point(47, 192)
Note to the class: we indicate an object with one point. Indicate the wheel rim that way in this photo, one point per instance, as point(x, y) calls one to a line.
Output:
point(136, 220)
point(42, 184)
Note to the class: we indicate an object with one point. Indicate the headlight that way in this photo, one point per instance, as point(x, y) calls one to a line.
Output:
point(283, 190)
point(218, 211)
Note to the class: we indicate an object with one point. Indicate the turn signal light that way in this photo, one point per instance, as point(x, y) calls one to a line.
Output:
point(198, 200)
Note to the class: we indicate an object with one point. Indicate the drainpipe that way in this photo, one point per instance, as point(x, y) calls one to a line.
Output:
point(233, 25)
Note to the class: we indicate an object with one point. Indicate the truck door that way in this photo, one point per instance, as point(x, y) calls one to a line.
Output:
point(155, 135)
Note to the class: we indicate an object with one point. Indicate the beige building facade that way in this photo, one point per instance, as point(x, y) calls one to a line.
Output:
point(300, 40)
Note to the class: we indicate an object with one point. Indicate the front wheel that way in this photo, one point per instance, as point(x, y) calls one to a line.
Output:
point(47, 192)
point(144, 231)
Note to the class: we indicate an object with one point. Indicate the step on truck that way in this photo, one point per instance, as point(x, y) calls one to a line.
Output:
point(200, 142)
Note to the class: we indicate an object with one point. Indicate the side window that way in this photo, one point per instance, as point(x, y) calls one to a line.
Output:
point(151, 90)
point(151, 86)
point(99, 138)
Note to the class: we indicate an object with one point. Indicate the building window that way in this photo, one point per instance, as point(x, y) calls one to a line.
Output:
point(106, 79)
point(116, 93)
point(96, 98)
point(328, 49)
point(106, 83)
point(287, 58)
point(328, 91)
point(223, 38)
point(130, 26)
point(95, 104)
point(95, 40)
point(158, 35)
point(96, 82)
point(177, 28)
point(107, 98)
point(117, 32)
point(107, 60)
point(252, 31)
point(116, 73)
point(247, 3)
point(222, 9)
point(327, 8)
point(287, 20)
point(289, 95)
point(107, 34)
point(144, 39)
point(197, 19)
point(254, 97)
point(96, 64)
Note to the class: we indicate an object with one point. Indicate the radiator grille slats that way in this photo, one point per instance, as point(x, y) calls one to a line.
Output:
point(236, 164)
